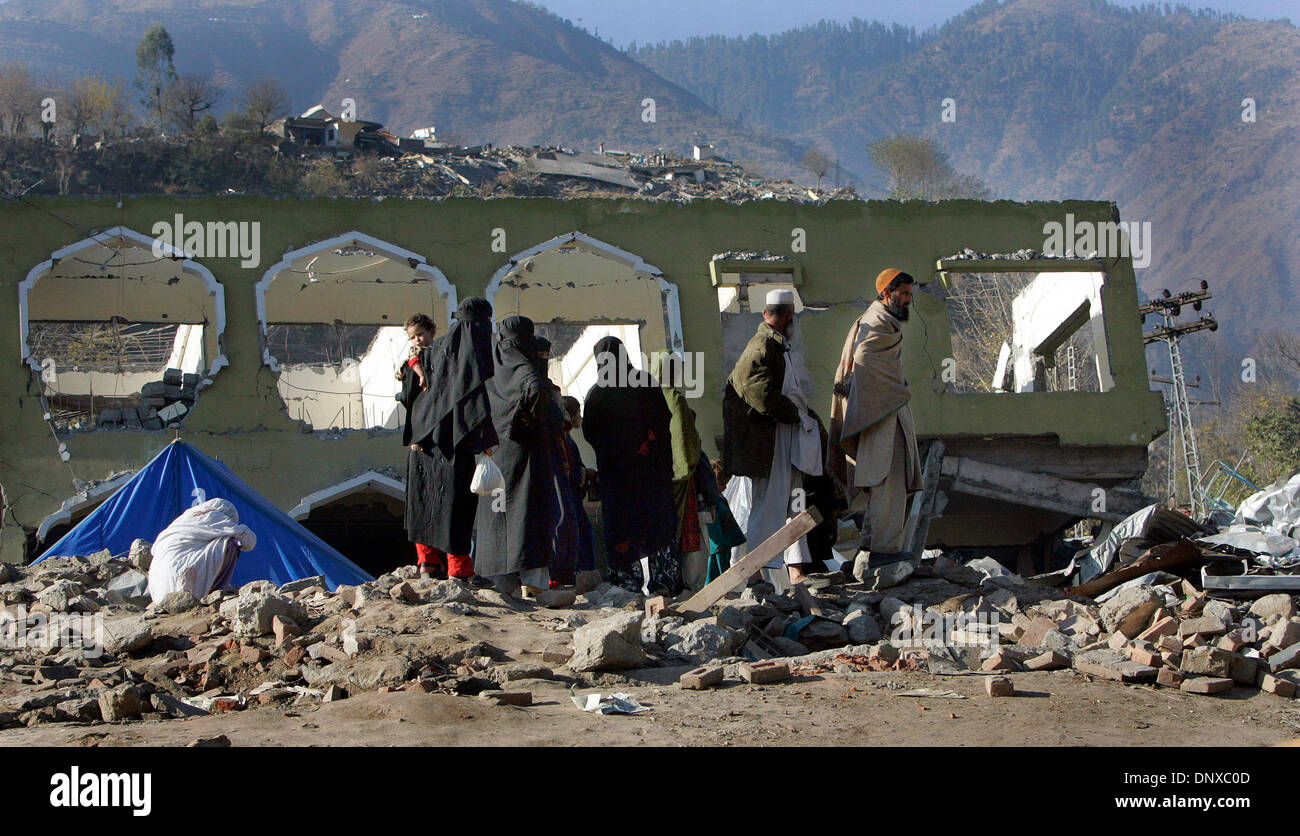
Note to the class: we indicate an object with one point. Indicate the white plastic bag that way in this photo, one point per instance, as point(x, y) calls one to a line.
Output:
point(487, 477)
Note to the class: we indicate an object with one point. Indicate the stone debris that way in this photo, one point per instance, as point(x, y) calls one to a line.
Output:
point(299, 645)
point(999, 686)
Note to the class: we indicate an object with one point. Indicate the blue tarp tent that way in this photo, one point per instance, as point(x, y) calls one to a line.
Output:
point(180, 477)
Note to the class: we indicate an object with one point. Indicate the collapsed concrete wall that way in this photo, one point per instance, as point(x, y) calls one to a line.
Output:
point(647, 265)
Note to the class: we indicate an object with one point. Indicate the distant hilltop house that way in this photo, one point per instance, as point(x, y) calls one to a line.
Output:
point(319, 128)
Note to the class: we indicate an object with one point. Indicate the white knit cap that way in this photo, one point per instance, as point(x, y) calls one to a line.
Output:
point(780, 296)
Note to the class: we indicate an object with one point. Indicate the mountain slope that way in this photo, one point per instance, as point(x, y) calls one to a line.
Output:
point(1080, 99)
point(479, 70)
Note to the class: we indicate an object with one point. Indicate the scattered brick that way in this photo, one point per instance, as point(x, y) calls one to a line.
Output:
point(999, 686)
point(701, 678)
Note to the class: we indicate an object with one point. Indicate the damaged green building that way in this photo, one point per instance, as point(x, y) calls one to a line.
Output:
point(266, 332)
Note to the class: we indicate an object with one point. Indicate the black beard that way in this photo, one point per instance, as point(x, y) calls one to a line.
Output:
point(898, 312)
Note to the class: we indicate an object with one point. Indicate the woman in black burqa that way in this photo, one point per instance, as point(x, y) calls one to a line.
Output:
point(446, 426)
point(627, 424)
point(515, 527)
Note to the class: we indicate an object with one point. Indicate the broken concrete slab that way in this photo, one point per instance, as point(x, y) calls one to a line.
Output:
point(1207, 661)
point(999, 686)
point(1205, 685)
point(609, 644)
point(1129, 610)
point(1111, 664)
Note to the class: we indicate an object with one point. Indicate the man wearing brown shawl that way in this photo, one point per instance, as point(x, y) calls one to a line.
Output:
point(873, 443)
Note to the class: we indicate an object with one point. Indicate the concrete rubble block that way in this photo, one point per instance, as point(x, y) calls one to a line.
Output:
point(321, 650)
point(557, 655)
point(861, 626)
point(1036, 630)
point(1170, 678)
point(252, 655)
point(334, 693)
point(556, 598)
point(353, 640)
point(447, 592)
point(1207, 661)
point(770, 670)
point(1169, 644)
point(1000, 662)
point(517, 698)
point(616, 596)
point(1117, 641)
point(733, 618)
point(404, 592)
point(1279, 603)
point(1242, 669)
point(1275, 685)
point(823, 634)
point(1206, 625)
point(58, 596)
point(302, 584)
point(120, 703)
point(999, 686)
point(1233, 640)
point(883, 577)
point(1163, 626)
point(1205, 685)
point(124, 635)
point(1049, 661)
point(587, 581)
point(701, 641)
point(701, 678)
point(169, 705)
point(515, 671)
point(609, 644)
point(1221, 610)
point(141, 555)
point(252, 612)
point(1285, 659)
point(1129, 610)
point(1283, 633)
point(1143, 656)
point(284, 628)
point(1111, 664)
point(178, 602)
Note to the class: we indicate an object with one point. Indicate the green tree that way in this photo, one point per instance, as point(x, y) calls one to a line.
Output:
point(156, 70)
point(918, 169)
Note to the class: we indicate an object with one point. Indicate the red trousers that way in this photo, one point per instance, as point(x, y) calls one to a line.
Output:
point(458, 565)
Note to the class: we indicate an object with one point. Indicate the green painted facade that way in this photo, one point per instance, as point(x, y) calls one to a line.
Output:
point(241, 420)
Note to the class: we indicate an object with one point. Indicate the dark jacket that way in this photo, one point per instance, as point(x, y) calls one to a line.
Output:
point(752, 405)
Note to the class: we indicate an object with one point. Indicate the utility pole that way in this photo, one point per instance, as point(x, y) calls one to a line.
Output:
point(1170, 307)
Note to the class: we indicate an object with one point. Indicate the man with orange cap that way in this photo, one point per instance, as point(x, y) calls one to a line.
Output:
point(872, 439)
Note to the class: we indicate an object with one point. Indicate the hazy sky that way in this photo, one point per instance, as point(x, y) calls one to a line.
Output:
point(650, 21)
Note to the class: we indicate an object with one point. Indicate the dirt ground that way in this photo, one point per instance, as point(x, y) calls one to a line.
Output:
point(1050, 709)
point(1060, 708)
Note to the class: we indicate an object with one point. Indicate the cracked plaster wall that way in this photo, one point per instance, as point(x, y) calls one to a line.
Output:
point(241, 420)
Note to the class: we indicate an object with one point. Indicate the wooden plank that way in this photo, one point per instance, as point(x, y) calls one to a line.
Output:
point(1182, 554)
point(930, 473)
point(734, 577)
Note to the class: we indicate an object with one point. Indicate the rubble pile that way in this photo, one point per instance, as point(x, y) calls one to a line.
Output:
point(538, 171)
point(162, 403)
point(81, 642)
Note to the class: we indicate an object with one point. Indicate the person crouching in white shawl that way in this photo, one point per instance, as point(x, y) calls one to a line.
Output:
point(197, 552)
